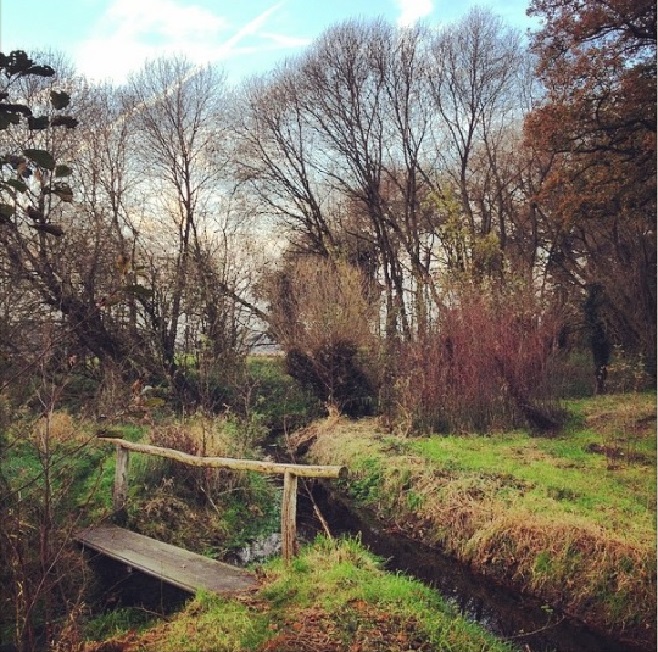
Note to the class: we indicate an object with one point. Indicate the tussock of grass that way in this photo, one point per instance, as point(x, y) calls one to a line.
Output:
point(570, 519)
point(116, 623)
point(333, 597)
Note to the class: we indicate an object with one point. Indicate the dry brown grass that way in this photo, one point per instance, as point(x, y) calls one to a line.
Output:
point(61, 427)
point(202, 435)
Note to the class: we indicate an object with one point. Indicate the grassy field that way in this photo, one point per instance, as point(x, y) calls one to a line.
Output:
point(334, 596)
point(570, 519)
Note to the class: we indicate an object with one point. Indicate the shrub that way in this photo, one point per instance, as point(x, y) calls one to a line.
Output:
point(335, 374)
point(323, 315)
point(483, 366)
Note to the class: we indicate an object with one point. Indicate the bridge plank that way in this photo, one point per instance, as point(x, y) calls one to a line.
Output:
point(176, 566)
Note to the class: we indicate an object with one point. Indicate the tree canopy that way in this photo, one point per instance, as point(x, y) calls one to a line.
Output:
point(595, 131)
point(143, 223)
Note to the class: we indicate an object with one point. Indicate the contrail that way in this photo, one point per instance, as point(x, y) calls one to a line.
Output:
point(247, 29)
point(251, 27)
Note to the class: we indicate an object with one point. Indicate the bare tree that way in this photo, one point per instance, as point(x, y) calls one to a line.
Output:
point(477, 90)
point(274, 157)
point(178, 115)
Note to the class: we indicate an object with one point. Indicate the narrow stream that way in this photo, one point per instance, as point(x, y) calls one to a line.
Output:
point(525, 622)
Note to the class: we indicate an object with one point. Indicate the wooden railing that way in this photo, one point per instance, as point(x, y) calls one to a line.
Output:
point(290, 474)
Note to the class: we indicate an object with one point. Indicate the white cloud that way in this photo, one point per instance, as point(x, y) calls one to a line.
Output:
point(132, 31)
point(165, 18)
point(413, 10)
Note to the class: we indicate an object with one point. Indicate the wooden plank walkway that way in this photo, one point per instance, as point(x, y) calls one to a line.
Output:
point(176, 566)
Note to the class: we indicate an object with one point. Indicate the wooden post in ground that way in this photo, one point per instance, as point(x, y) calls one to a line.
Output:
point(289, 516)
point(120, 497)
point(290, 474)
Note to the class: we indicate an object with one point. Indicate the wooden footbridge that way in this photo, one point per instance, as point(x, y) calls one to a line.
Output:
point(184, 569)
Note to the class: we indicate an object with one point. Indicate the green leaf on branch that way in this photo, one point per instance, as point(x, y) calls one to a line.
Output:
point(63, 171)
point(17, 184)
point(38, 123)
point(13, 160)
point(63, 191)
point(16, 108)
point(41, 157)
point(7, 119)
point(16, 62)
point(40, 71)
point(59, 99)
point(34, 214)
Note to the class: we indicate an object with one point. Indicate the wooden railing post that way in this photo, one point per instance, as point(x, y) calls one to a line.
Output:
point(290, 474)
point(289, 516)
point(120, 497)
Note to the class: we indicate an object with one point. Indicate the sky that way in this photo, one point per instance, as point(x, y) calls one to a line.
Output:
point(108, 39)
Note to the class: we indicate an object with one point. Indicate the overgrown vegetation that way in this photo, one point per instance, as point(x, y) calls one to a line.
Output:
point(322, 314)
point(334, 596)
point(570, 518)
point(279, 401)
point(49, 479)
point(485, 366)
point(426, 241)
point(211, 511)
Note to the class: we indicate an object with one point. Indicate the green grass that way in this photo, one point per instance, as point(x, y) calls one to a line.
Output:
point(209, 623)
point(571, 518)
point(556, 476)
point(81, 468)
point(334, 592)
point(560, 475)
point(116, 622)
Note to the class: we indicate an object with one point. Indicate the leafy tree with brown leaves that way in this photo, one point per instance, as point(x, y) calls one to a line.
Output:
point(596, 134)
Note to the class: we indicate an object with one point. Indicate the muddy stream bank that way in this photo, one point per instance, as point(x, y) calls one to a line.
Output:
point(528, 624)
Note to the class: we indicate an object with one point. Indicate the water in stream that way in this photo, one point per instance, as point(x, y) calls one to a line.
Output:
point(527, 623)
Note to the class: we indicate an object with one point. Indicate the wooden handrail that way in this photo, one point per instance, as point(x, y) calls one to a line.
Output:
point(274, 468)
point(290, 474)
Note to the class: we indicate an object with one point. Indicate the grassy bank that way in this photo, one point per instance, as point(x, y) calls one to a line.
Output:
point(333, 597)
point(570, 519)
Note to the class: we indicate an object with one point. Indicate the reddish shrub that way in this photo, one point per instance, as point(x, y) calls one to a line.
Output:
point(484, 365)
